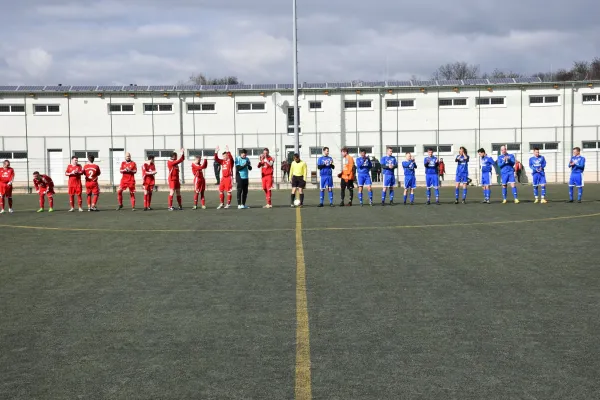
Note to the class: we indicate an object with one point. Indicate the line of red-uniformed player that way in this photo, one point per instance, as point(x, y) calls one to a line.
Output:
point(44, 185)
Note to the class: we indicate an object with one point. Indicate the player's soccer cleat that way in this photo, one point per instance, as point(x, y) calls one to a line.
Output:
point(404, 203)
point(170, 209)
point(392, 203)
point(10, 210)
point(226, 205)
point(203, 207)
point(51, 210)
point(240, 207)
point(464, 202)
point(145, 209)
point(331, 205)
point(517, 201)
point(40, 210)
point(371, 204)
point(195, 208)
point(455, 201)
point(270, 206)
point(150, 208)
point(579, 201)
point(341, 204)
point(437, 202)
point(320, 205)
point(536, 200)
point(412, 203)
point(80, 209)
point(180, 208)
point(544, 201)
point(428, 202)
point(383, 204)
point(133, 209)
point(71, 210)
point(349, 204)
point(245, 207)
point(504, 201)
point(570, 201)
point(90, 209)
point(292, 206)
point(220, 206)
point(2, 211)
point(120, 207)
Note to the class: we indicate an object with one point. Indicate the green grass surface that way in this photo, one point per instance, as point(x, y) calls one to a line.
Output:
point(408, 302)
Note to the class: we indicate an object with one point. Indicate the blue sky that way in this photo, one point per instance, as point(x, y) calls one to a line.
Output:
point(164, 42)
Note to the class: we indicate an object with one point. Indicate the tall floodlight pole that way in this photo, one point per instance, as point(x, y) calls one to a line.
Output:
point(295, 40)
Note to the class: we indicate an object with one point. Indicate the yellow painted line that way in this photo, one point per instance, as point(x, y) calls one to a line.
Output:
point(303, 388)
point(48, 228)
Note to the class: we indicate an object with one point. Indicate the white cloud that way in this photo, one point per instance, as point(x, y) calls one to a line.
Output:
point(34, 62)
point(164, 30)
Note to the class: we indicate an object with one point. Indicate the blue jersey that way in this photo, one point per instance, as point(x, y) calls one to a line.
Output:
point(487, 164)
point(462, 165)
point(242, 164)
point(388, 164)
point(506, 163)
point(363, 165)
point(325, 165)
point(578, 165)
point(431, 165)
point(537, 165)
point(409, 167)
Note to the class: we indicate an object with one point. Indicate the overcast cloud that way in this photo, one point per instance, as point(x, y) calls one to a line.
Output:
point(163, 42)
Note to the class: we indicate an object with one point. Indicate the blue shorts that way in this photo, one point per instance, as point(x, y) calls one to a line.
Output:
point(462, 178)
point(486, 178)
point(326, 182)
point(576, 180)
point(508, 178)
point(364, 180)
point(389, 181)
point(410, 182)
point(432, 181)
point(539, 179)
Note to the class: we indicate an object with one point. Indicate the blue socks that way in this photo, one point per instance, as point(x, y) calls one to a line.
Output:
point(360, 197)
point(391, 194)
point(571, 193)
point(331, 197)
point(579, 193)
point(412, 198)
point(371, 196)
point(428, 194)
point(504, 192)
point(535, 192)
point(464, 194)
point(383, 196)
point(543, 191)
point(514, 192)
point(322, 196)
point(404, 198)
point(437, 194)
point(456, 193)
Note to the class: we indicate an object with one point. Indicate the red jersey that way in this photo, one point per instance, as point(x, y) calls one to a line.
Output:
point(91, 172)
point(148, 172)
point(266, 166)
point(226, 164)
point(45, 182)
point(197, 169)
point(173, 166)
point(74, 173)
point(128, 169)
point(7, 175)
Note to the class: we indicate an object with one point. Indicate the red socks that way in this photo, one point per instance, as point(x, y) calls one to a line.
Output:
point(72, 201)
point(196, 195)
point(179, 201)
point(229, 198)
point(41, 201)
point(51, 201)
point(170, 201)
point(120, 197)
point(268, 196)
point(222, 197)
point(132, 198)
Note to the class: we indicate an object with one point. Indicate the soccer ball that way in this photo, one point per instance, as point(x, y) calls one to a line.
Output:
point(297, 202)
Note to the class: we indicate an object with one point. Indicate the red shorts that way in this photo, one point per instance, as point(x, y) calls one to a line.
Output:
point(174, 185)
point(225, 185)
point(149, 187)
point(75, 189)
point(199, 185)
point(42, 192)
point(127, 185)
point(267, 182)
point(5, 189)
point(92, 188)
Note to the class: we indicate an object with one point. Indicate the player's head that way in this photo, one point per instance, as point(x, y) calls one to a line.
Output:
point(389, 151)
point(576, 151)
point(243, 153)
point(536, 151)
point(266, 152)
point(326, 151)
point(6, 163)
point(503, 150)
point(198, 158)
point(441, 160)
point(296, 157)
point(36, 175)
point(430, 152)
point(174, 155)
point(462, 151)
point(344, 151)
point(91, 158)
point(224, 153)
point(408, 156)
point(363, 153)
point(127, 157)
point(74, 160)
point(151, 159)
point(481, 152)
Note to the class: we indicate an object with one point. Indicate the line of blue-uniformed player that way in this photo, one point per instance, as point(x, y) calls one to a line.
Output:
point(505, 163)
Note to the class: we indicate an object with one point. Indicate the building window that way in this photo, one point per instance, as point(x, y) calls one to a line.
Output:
point(316, 151)
point(12, 109)
point(490, 101)
point(544, 146)
point(354, 150)
point(290, 120)
point(401, 149)
point(585, 145)
point(195, 108)
point(159, 154)
point(591, 99)
point(315, 106)
point(13, 155)
point(46, 109)
point(158, 108)
point(204, 153)
point(398, 104)
point(543, 100)
point(452, 102)
point(362, 104)
point(252, 151)
point(509, 146)
point(84, 154)
point(444, 149)
point(251, 107)
point(120, 108)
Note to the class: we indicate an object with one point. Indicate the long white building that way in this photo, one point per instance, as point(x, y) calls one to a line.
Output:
point(41, 127)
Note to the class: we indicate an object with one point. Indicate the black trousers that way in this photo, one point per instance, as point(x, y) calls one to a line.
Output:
point(242, 191)
point(350, 186)
point(218, 173)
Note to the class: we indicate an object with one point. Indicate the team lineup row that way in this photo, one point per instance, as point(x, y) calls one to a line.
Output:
point(359, 172)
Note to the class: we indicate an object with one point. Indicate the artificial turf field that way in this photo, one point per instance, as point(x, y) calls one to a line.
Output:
point(408, 302)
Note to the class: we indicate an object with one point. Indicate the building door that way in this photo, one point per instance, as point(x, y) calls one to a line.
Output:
point(56, 166)
point(117, 156)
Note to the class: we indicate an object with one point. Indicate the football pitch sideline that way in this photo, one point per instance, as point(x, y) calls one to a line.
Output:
point(459, 301)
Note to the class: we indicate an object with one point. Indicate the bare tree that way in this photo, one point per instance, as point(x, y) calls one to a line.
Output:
point(458, 70)
point(595, 69)
point(562, 75)
point(202, 79)
point(580, 70)
point(498, 73)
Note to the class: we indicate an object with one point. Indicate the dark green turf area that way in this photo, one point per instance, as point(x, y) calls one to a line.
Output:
point(408, 302)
